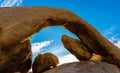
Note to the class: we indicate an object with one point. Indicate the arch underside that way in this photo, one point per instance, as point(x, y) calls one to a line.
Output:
point(19, 23)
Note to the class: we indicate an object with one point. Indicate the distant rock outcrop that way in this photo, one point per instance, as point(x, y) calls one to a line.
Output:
point(18, 24)
point(44, 62)
point(85, 67)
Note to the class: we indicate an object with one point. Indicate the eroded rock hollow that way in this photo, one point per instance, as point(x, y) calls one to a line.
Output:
point(19, 23)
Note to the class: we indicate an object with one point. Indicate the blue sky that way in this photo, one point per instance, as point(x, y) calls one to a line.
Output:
point(104, 15)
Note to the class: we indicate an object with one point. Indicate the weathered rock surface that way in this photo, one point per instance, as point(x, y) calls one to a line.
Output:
point(44, 62)
point(79, 50)
point(85, 67)
point(95, 42)
point(76, 48)
point(16, 59)
point(19, 23)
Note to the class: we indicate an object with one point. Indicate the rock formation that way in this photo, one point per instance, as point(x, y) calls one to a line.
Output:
point(17, 24)
point(44, 62)
point(85, 67)
point(76, 48)
point(16, 58)
point(79, 50)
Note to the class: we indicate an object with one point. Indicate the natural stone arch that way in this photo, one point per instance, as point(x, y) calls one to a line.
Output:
point(19, 23)
point(30, 20)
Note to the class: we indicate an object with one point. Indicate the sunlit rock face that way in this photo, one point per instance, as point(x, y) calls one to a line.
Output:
point(19, 23)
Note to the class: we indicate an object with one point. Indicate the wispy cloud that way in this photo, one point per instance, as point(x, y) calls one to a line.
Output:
point(57, 50)
point(112, 35)
point(109, 31)
point(10, 3)
point(37, 46)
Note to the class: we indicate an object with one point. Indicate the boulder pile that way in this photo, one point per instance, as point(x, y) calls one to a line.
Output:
point(18, 24)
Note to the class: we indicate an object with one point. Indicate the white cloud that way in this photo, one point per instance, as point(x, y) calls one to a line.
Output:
point(68, 58)
point(56, 49)
point(10, 3)
point(37, 46)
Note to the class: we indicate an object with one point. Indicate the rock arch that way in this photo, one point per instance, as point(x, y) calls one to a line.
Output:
point(17, 24)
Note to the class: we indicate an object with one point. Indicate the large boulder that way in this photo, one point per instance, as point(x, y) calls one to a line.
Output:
point(44, 62)
point(76, 48)
point(85, 67)
point(16, 58)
